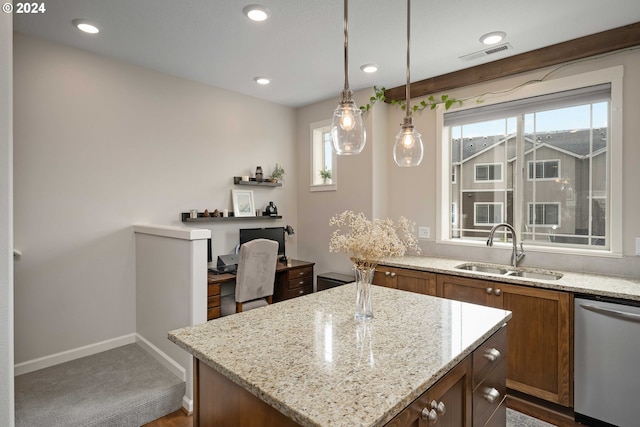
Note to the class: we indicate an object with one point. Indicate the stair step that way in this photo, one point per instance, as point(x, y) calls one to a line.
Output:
point(124, 386)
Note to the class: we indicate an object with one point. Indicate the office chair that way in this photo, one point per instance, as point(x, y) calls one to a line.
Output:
point(255, 277)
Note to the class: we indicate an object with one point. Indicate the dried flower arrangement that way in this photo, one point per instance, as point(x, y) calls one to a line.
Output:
point(369, 241)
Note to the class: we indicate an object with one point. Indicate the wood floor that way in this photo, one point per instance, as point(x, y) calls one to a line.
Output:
point(174, 419)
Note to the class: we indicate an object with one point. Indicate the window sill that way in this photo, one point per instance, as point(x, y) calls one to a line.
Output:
point(323, 187)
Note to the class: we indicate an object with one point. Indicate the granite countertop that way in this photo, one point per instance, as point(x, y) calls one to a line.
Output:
point(309, 358)
point(591, 284)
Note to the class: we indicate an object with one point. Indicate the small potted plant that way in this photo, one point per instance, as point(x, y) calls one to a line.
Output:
point(325, 174)
point(277, 174)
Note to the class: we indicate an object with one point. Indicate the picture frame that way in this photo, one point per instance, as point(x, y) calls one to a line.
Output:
point(243, 204)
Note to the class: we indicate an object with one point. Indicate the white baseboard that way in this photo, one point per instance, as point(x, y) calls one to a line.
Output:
point(187, 404)
point(162, 357)
point(76, 353)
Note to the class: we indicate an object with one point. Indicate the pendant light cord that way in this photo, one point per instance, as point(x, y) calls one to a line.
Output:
point(346, 44)
point(408, 87)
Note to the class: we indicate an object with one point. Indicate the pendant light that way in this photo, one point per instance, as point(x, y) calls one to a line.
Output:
point(408, 150)
point(347, 127)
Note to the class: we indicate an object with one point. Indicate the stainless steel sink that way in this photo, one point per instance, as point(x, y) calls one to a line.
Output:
point(509, 271)
point(539, 275)
point(482, 268)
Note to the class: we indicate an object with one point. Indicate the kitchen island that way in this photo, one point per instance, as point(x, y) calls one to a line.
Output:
point(308, 361)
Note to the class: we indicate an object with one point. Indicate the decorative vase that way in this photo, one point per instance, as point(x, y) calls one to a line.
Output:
point(364, 279)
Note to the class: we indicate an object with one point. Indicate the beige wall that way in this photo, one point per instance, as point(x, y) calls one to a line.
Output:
point(101, 145)
point(412, 192)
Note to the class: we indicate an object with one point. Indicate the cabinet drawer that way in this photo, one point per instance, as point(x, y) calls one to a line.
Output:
point(300, 272)
point(489, 394)
point(213, 289)
point(213, 301)
point(213, 313)
point(297, 292)
point(499, 417)
point(489, 355)
point(299, 282)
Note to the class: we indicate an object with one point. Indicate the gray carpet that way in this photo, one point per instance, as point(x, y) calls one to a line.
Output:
point(123, 387)
point(517, 419)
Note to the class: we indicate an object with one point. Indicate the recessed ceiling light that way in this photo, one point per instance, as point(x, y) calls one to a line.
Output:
point(257, 13)
point(369, 68)
point(86, 26)
point(493, 37)
point(261, 80)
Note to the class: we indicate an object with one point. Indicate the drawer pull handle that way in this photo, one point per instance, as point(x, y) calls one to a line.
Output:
point(429, 415)
point(301, 291)
point(387, 273)
point(491, 394)
point(301, 273)
point(489, 291)
point(301, 282)
point(497, 292)
point(492, 354)
point(440, 407)
point(393, 274)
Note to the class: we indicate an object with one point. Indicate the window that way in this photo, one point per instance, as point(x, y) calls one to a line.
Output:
point(544, 214)
point(488, 173)
point(487, 213)
point(546, 163)
point(323, 159)
point(545, 169)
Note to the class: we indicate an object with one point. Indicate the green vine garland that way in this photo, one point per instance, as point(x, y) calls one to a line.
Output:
point(430, 102)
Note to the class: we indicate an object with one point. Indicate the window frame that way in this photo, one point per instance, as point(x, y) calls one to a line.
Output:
point(543, 204)
point(535, 178)
point(488, 224)
point(612, 76)
point(316, 147)
point(488, 165)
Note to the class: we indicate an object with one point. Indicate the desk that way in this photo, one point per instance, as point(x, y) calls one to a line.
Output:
point(291, 281)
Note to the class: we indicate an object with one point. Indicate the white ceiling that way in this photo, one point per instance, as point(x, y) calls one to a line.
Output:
point(301, 47)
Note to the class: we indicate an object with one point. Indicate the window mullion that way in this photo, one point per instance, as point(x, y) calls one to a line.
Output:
point(518, 179)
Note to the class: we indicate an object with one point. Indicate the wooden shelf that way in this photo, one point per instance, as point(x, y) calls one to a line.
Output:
point(185, 217)
point(252, 181)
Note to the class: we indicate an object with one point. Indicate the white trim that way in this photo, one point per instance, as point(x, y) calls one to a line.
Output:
point(315, 131)
point(475, 213)
point(613, 75)
point(162, 357)
point(529, 218)
point(533, 178)
point(483, 181)
point(184, 233)
point(73, 354)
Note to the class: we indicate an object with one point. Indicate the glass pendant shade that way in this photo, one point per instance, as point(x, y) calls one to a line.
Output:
point(348, 134)
point(408, 149)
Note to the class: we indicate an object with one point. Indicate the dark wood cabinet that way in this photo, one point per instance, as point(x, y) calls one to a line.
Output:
point(291, 281)
point(539, 337)
point(421, 282)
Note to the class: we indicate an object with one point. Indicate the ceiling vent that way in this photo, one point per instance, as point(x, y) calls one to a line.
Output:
point(486, 52)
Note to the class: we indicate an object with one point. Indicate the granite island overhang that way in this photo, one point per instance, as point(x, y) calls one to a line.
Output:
point(310, 360)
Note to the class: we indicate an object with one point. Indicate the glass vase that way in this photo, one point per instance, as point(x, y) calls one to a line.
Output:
point(364, 279)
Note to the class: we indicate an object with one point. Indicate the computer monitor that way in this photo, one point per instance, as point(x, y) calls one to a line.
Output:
point(270, 233)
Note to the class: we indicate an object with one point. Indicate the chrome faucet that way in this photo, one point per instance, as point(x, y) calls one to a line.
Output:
point(516, 256)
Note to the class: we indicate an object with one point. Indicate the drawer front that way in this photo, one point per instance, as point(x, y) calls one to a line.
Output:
point(489, 394)
point(300, 282)
point(213, 290)
point(499, 417)
point(213, 301)
point(213, 313)
point(297, 292)
point(300, 272)
point(489, 355)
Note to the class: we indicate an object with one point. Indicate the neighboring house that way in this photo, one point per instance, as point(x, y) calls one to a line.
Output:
point(556, 172)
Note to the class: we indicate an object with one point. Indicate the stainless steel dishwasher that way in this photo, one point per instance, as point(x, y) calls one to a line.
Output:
point(606, 361)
